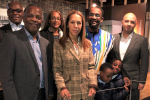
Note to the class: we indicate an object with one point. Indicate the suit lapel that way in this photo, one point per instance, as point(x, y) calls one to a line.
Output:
point(131, 45)
point(70, 47)
point(8, 28)
point(81, 50)
point(118, 44)
point(27, 43)
point(43, 48)
point(43, 53)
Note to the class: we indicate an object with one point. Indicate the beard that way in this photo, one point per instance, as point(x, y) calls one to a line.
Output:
point(94, 26)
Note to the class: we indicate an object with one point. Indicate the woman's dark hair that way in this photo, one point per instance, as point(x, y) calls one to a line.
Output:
point(62, 40)
point(47, 24)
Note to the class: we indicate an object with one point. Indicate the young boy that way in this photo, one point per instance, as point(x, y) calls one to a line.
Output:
point(106, 73)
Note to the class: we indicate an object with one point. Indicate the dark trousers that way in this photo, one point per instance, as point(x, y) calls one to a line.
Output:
point(135, 91)
point(1, 95)
point(41, 95)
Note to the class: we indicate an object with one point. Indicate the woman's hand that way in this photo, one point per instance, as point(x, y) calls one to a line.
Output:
point(65, 94)
point(92, 92)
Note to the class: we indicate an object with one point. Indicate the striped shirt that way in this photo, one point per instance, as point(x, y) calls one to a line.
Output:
point(102, 43)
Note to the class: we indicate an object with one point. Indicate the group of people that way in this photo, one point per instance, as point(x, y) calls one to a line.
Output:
point(67, 61)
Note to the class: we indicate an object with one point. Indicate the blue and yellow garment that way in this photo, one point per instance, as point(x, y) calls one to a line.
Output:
point(102, 43)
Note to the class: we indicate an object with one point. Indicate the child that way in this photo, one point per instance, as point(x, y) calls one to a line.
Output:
point(117, 78)
point(106, 73)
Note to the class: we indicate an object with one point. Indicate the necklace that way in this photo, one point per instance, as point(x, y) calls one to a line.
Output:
point(76, 46)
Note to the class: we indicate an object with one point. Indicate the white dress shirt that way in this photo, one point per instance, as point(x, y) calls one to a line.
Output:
point(124, 43)
point(14, 27)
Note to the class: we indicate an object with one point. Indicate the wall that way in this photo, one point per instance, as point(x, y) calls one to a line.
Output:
point(117, 13)
point(48, 5)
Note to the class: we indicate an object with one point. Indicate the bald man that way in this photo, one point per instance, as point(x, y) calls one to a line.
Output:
point(132, 49)
point(15, 16)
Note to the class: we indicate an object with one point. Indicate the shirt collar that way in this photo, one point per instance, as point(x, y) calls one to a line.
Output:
point(114, 76)
point(21, 24)
point(100, 81)
point(130, 36)
point(30, 36)
point(59, 30)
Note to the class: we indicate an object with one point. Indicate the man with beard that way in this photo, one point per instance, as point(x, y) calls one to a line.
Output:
point(102, 41)
point(15, 15)
point(132, 49)
point(23, 58)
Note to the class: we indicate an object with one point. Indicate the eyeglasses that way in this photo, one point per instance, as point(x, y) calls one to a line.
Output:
point(54, 18)
point(16, 10)
point(96, 15)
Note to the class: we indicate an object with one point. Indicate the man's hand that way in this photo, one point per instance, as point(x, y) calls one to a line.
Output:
point(127, 81)
point(92, 92)
point(65, 94)
point(141, 86)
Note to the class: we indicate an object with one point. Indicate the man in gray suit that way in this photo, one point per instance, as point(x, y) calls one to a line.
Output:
point(132, 49)
point(23, 59)
point(15, 14)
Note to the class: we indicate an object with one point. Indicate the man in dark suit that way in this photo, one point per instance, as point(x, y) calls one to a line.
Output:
point(23, 59)
point(132, 49)
point(15, 15)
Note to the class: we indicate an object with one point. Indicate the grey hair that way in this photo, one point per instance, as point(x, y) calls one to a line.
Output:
point(26, 9)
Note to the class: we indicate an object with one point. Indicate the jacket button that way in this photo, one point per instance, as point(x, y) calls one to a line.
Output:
point(38, 74)
point(37, 87)
point(78, 63)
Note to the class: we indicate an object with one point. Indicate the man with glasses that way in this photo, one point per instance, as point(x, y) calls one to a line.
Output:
point(102, 41)
point(15, 15)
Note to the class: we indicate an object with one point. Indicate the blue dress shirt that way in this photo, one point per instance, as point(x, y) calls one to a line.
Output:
point(37, 52)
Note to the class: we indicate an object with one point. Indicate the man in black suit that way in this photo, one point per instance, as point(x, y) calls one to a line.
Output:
point(23, 58)
point(132, 49)
point(15, 15)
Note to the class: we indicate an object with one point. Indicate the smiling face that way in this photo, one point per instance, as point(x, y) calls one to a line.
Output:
point(33, 19)
point(95, 17)
point(129, 22)
point(15, 12)
point(55, 20)
point(74, 25)
point(117, 65)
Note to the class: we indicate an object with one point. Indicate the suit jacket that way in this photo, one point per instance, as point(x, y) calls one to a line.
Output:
point(76, 73)
point(20, 74)
point(5, 29)
point(137, 51)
